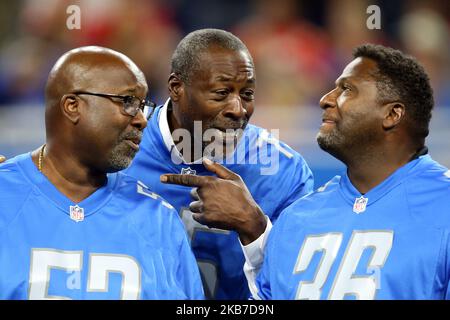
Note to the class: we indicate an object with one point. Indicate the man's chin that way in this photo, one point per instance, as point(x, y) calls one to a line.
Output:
point(120, 161)
point(326, 141)
point(118, 165)
point(221, 149)
point(219, 152)
point(332, 145)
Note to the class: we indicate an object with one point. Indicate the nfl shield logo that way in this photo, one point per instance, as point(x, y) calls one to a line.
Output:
point(188, 171)
point(76, 213)
point(360, 204)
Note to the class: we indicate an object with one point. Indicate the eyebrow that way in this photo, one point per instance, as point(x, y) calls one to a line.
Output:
point(132, 92)
point(226, 79)
point(129, 91)
point(341, 80)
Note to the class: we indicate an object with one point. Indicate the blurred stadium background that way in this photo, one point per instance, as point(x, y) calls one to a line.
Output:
point(299, 48)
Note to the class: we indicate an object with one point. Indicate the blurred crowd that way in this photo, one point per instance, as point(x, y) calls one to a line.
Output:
point(299, 47)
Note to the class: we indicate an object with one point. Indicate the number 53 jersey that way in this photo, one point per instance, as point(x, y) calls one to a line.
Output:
point(122, 242)
point(390, 243)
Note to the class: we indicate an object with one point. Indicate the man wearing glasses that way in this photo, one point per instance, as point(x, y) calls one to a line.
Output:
point(70, 225)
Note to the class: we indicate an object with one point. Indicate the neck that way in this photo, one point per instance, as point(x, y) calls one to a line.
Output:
point(367, 171)
point(171, 119)
point(174, 125)
point(68, 174)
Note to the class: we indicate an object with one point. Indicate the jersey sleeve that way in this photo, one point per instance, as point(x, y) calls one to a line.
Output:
point(295, 179)
point(302, 183)
point(160, 225)
point(13, 192)
point(188, 274)
point(259, 284)
point(261, 289)
point(254, 256)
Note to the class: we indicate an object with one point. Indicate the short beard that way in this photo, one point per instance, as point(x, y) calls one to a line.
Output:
point(331, 143)
point(216, 149)
point(120, 158)
point(122, 154)
point(349, 147)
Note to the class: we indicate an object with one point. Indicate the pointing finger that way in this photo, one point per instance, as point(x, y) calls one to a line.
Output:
point(188, 180)
point(220, 170)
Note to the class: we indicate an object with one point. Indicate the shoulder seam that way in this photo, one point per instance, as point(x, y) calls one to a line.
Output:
point(20, 209)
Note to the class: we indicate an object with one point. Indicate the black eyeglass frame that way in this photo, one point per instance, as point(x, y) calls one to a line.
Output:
point(142, 103)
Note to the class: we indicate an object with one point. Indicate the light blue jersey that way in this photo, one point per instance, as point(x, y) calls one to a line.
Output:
point(391, 243)
point(275, 175)
point(122, 242)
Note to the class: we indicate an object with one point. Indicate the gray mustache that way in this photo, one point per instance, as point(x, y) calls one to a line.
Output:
point(230, 125)
point(132, 135)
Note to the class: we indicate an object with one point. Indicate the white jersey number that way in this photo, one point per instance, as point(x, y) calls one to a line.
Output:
point(345, 282)
point(100, 265)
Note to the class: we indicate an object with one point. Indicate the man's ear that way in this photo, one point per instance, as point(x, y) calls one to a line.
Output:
point(394, 114)
point(176, 87)
point(70, 107)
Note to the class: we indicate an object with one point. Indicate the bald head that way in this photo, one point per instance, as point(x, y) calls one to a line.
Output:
point(80, 69)
point(93, 69)
point(86, 115)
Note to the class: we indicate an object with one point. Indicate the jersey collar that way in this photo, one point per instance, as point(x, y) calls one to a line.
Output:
point(91, 204)
point(175, 154)
point(350, 193)
point(167, 136)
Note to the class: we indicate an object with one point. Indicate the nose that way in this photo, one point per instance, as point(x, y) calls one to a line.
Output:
point(328, 100)
point(139, 121)
point(235, 109)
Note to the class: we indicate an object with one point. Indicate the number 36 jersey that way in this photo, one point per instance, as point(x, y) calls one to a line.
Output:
point(390, 243)
point(122, 242)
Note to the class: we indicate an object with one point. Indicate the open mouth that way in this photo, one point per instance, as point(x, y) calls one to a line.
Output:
point(133, 143)
point(226, 135)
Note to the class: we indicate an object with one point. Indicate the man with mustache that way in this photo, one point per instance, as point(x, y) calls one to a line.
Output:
point(70, 225)
point(382, 229)
point(212, 90)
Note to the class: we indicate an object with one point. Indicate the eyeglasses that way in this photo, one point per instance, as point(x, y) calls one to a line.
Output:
point(131, 104)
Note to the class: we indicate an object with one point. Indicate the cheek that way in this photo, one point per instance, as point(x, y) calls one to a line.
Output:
point(363, 122)
point(202, 109)
point(250, 107)
point(343, 102)
point(104, 130)
point(190, 109)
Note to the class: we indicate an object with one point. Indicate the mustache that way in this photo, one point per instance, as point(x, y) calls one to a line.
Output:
point(229, 124)
point(132, 135)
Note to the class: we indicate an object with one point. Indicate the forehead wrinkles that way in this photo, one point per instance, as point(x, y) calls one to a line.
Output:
point(239, 74)
point(227, 73)
point(230, 63)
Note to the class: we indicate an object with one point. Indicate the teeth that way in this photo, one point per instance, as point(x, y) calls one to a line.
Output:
point(225, 136)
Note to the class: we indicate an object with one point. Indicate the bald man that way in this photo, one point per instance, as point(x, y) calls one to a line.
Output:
point(71, 226)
